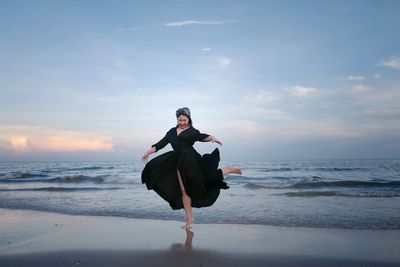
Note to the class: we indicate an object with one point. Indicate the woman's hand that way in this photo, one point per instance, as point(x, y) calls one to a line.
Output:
point(144, 158)
point(213, 139)
point(151, 150)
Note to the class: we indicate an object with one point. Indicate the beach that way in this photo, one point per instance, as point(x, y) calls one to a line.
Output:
point(33, 238)
point(278, 213)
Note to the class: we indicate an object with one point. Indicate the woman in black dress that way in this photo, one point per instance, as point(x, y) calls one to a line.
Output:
point(183, 177)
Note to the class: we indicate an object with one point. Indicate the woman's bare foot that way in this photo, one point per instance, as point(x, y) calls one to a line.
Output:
point(231, 169)
point(189, 239)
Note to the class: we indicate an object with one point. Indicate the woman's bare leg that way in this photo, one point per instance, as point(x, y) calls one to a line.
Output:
point(187, 202)
point(231, 169)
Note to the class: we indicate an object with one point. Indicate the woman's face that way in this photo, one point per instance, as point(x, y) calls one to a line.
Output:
point(183, 121)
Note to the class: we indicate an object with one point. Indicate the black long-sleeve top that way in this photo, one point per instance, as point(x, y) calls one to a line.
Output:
point(185, 138)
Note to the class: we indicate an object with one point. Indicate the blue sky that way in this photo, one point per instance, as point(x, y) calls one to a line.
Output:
point(101, 80)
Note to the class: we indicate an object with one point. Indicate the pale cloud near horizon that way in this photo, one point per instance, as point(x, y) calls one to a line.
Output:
point(286, 129)
point(27, 138)
point(276, 119)
point(269, 119)
point(194, 22)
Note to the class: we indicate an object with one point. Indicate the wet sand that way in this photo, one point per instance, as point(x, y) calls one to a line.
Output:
point(30, 238)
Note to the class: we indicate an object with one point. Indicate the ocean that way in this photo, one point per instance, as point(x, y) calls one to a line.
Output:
point(357, 194)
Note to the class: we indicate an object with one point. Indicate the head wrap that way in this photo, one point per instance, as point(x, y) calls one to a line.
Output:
point(183, 111)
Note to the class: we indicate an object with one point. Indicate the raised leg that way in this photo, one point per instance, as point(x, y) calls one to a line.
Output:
point(231, 169)
point(187, 202)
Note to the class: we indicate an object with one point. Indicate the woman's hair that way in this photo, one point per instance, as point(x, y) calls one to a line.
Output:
point(190, 120)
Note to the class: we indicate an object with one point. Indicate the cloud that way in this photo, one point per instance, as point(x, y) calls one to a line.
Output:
point(387, 113)
point(301, 91)
point(377, 76)
point(261, 97)
point(393, 62)
point(355, 78)
point(19, 143)
point(206, 49)
point(284, 129)
point(194, 22)
point(21, 138)
point(296, 128)
point(223, 62)
point(360, 88)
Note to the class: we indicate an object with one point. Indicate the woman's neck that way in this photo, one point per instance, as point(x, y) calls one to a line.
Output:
point(184, 127)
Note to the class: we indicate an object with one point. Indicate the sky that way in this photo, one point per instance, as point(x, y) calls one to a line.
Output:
point(101, 80)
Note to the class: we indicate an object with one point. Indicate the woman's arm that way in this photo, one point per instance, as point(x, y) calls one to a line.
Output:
point(202, 137)
point(161, 144)
point(154, 148)
point(213, 139)
point(206, 139)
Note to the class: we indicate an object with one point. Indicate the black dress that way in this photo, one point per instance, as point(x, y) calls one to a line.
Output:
point(200, 174)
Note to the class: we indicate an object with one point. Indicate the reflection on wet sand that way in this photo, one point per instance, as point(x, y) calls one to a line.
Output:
point(187, 246)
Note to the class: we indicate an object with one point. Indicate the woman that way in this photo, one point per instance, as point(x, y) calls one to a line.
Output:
point(183, 177)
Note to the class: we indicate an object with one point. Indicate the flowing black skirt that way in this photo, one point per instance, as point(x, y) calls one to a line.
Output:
point(200, 175)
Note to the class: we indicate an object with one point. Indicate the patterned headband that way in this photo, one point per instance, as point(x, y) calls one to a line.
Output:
point(183, 111)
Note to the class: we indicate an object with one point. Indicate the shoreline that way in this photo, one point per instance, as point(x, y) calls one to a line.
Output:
point(203, 223)
point(45, 238)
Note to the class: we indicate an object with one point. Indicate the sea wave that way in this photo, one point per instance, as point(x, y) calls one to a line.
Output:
point(338, 169)
point(343, 194)
point(346, 183)
point(323, 169)
point(60, 189)
point(324, 184)
point(89, 168)
point(20, 175)
point(79, 178)
point(76, 178)
point(282, 169)
point(254, 186)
